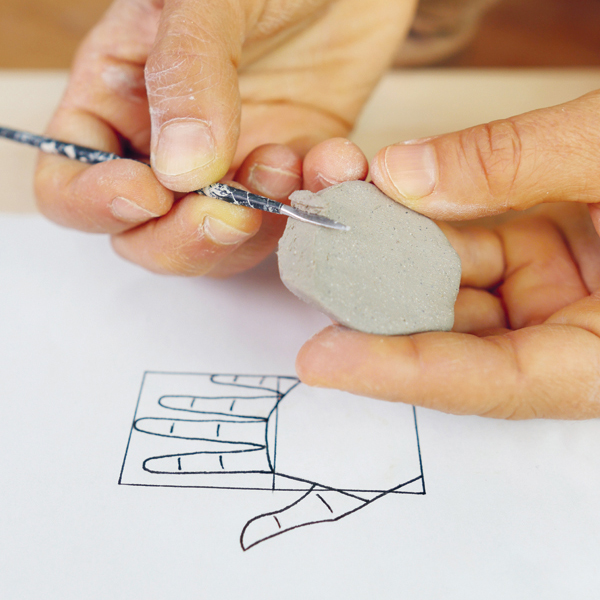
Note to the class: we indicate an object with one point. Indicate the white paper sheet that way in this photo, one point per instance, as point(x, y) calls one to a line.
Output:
point(115, 482)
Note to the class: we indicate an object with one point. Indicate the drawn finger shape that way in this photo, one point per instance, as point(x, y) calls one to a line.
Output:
point(258, 407)
point(245, 431)
point(242, 459)
point(233, 396)
point(278, 385)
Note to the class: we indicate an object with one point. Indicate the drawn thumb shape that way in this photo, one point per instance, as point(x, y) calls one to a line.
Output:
point(315, 506)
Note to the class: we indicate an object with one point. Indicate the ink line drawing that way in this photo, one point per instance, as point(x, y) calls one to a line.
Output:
point(332, 452)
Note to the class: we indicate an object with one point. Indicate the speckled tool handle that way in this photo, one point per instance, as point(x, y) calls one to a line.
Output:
point(241, 197)
point(244, 198)
point(51, 146)
point(92, 157)
point(215, 190)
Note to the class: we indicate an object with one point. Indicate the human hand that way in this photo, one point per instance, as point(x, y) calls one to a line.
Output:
point(197, 87)
point(526, 336)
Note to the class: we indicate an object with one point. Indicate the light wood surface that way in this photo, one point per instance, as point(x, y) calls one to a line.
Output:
point(45, 33)
point(406, 105)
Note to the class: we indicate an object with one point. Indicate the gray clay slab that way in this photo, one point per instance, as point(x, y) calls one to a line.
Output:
point(394, 272)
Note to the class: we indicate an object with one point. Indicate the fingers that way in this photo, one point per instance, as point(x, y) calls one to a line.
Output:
point(480, 249)
point(548, 371)
point(191, 79)
point(202, 235)
point(541, 276)
point(196, 235)
point(478, 310)
point(481, 254)
point(581, 235)
point(543, 156)
point(274, 171)
point(333, 161)
point(109, 197)
point(533, 265)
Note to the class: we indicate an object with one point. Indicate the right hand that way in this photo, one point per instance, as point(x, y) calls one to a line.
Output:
point(200, 87)
point(526, 339)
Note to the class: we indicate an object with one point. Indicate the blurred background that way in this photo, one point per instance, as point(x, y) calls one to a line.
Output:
point(515, 33)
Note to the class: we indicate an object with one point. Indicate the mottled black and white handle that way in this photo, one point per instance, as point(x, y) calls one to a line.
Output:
point(241, 197)
point(51, 146)
point(244, 198)
point(215, 190)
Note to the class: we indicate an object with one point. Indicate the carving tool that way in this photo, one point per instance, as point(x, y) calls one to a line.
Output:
point(220, 191)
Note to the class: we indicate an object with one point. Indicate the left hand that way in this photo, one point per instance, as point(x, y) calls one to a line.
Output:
point(526, 340)
point(199, 88)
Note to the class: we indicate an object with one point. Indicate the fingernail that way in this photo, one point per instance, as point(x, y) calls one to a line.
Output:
point(221, 233)
point(130, 212)
point(183, 146)
point(273, 182)
point(412, 169)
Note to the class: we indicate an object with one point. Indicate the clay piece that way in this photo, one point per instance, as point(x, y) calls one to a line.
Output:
point(393, 273)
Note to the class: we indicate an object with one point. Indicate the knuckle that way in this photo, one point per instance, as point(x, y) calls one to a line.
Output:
point(186, 260)
point(495, 150)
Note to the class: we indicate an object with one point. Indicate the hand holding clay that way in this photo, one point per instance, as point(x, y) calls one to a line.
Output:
point(526, 338)
point(199, 88)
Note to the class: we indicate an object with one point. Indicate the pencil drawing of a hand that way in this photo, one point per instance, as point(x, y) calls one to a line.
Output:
point(272, 433)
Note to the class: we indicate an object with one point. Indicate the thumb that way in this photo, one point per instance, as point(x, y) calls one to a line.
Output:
point(546, 155)
point(191, 80)
point(315, 506)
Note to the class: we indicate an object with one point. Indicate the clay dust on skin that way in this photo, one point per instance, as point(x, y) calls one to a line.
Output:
point(127, 81)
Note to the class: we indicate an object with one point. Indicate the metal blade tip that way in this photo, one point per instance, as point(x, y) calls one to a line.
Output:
point(312, 218)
